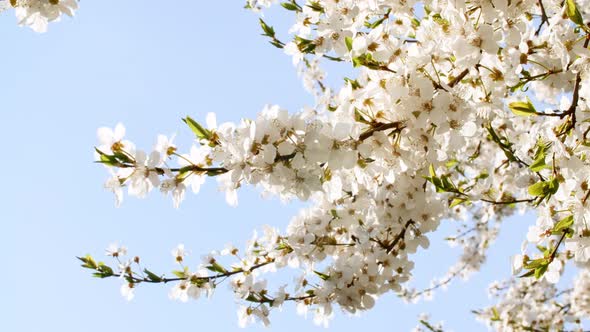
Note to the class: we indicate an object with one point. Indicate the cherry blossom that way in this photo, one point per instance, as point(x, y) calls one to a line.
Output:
point(464, 111)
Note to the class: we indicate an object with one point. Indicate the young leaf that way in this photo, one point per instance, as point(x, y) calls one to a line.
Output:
point(268, 30)
point(348, 42)
point(522, 108)
point(201, 132)
point(457, 201)
point(538, 165)
point(215, 267)
point(537, 189)
point(181, 274)
point(290, 6)
point(152, 276)
point(564, 223)
point(541, 270)
point(553, 186)
point(527, 274)
point(322, 275)
point(573, 13)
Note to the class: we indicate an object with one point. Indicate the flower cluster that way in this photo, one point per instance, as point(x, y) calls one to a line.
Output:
point(459, 110)
point(36, 14)
point(538, 305)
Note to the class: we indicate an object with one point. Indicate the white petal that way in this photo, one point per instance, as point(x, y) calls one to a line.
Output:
point(211, 120)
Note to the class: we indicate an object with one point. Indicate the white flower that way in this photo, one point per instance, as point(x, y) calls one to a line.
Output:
point(580, 246)
point(38, 13)
point(110, 140)
point(553, 272)
point(179, 253)
point(198, 156)
point(165, 147)
point(176, 187)
point(128, 291)
point(116, 250)
point(113, 184)
point(144, 178)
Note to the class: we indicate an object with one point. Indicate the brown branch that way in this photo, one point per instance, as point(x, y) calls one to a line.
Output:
point(399, 237)
point(398, 126)
point(190, 168)
point(458, 79)
point(575, 98)
point(528, 200)
point(554, 253)
point(138, 280)
point(544, 18)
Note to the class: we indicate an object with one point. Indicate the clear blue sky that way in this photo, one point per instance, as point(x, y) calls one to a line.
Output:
point(147, 64)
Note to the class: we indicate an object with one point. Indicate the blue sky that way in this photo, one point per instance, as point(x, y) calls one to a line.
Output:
point(147, 65)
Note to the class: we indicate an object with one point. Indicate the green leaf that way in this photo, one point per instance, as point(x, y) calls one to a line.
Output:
point(538, 165)
point(181, 274)
point(522, 108)
point(201, 132)
point(305, 45)
point(322, 275)
point(540, 155)
point(379, 21)
point(535, 263)
point(496, 315)
point(447, 184)
point(553, 186)
point(457, 201)
point(527, 274)
point(123, 157)
point(437, 183)
point(100, 275)
point(268, 30)
point(106, 159)
point(537, 189)
point(215, 267)
point(503, 143)
point(357, 62)
point(360, 117)
point(540, 271)
point(451, 163)
point(334, 213)
point(431, 170)
point(89, 262)
point(106, 270)
point(315, 5)
point(564, 224)
point(290, 6)
point(353, 83)
point(185, 171)
point(152, 276)
point(348, 42)
point(573, 13)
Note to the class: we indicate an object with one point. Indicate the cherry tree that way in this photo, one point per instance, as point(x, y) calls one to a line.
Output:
point(459, 110)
